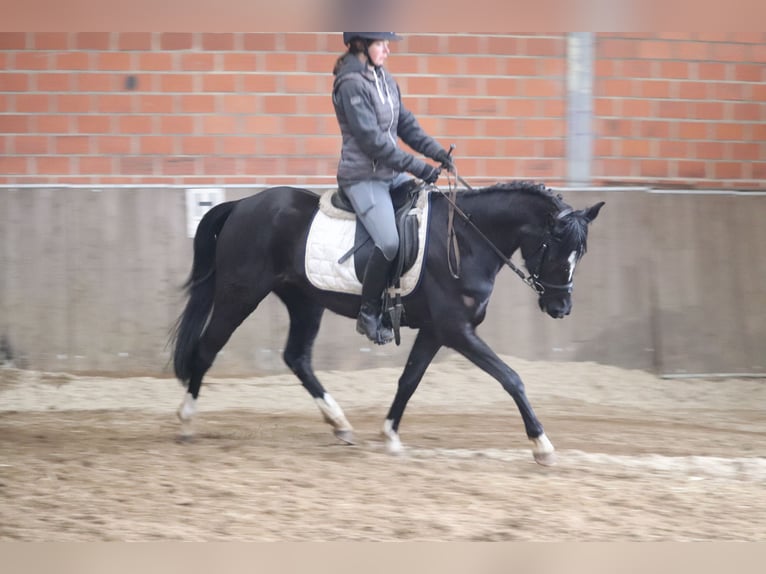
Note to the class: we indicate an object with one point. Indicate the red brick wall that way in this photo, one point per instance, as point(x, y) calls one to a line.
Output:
point(681, 109)
point(255, 108)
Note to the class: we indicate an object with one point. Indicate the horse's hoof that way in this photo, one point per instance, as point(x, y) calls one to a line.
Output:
point(545, 458)
point(346, 436)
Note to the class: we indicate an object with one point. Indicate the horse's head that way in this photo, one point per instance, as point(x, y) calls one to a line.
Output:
point(551, 253)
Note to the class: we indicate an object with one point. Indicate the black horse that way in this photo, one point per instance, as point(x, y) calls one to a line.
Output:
point(246, 249)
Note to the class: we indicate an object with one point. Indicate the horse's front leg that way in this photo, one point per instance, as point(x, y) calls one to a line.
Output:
point(471, 346)
point(422, 353)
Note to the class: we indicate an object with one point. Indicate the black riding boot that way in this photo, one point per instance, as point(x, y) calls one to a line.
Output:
point(369, 321)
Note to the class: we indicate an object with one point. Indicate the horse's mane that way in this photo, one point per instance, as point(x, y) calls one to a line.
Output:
point(572, 232)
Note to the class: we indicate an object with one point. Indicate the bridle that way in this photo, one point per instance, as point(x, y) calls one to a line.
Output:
point(532, 280)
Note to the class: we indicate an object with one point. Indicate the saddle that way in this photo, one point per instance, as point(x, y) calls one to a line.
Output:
point(405, 198)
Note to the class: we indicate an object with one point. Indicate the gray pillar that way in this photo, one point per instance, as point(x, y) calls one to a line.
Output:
point(579, 108)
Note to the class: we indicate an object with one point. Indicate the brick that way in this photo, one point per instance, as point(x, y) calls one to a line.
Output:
point(711, 71)
point(33, 103)
point(197, 62)
point(218, 42)
point(743, 151)
point(199, 145)
point(260, 42)
point(31, 145)
point(54, 82)
point(72, 61)
point(301, 42)
point(32, 61)
point(219, 125)
point(422, 44)
point(317, 105)
point(92, 41)
point(264, 125)
point(654, 129)
point(675, 149)
point(263, 83)
point(679, 70)
point(13, 41)
point(280, 62)
point(93, 124)
point(51, 41)
point(656, 50)
point(443, 65)
point(95, 165)
point(655, 89)
point(238, 104)
point(748, 112)
point(134, 41)
point(176, 41)
point(13, 165)
point(181, 166)
point(52, 124)
point(545, 47)
point(117, 61)
point(460, 86)
point(14, 82)
point(693, 90)
point(729, 52)
point(709, 150)
point(178, 124)
point(180, 83)
point(219, 83)
point(673, 109)
point(280, 104)
point(635, 108)
point(653, 168)
point(481, 106)
point(154, 104)
point(406, 64)
point(727, 170)
point(503, 46)
point(240, 62)
point(748, 72)
point(96, 82)
point(53, 165)
point(137, 165)
point(72, 145)
point(693, 130)
point(693, 51)
point(114, 103)
point(481, 66)
point(300, 84)
point(156, 61)
point(72, 103)
point(693, 169)
point(711, 111)
point(220, 165)
point(114, 145)
point(730, 131)
point(134, 124)
point(463, 44)
point(237, 146)
point(156, 145)
point(617, 48)
point(197, 103)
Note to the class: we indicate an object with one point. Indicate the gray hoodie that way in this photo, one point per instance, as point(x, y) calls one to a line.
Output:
point(368, 105)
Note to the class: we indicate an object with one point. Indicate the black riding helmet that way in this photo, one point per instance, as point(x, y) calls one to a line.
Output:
point(348, 36)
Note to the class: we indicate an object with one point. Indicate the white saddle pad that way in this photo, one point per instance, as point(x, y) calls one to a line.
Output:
point(332, 235)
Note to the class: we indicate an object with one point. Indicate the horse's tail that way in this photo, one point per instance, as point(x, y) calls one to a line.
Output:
point(200, 288)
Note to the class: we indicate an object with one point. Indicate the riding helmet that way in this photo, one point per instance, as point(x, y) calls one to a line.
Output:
point(348, 36)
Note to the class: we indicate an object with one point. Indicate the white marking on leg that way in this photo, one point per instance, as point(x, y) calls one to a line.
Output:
point(572, 262)
point(332, 413)
point(541, 445)
point(393, 444)
point(188, 408)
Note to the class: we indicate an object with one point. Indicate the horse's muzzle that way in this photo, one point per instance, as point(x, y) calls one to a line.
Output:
point(556, 307)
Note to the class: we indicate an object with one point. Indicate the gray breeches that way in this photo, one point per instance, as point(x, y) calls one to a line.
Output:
point(372, 203)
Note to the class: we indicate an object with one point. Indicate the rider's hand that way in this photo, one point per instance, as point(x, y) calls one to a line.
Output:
point(445, 159)
point(429, 173)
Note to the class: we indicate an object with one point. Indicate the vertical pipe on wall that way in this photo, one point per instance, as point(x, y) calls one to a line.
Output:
point(579, 108)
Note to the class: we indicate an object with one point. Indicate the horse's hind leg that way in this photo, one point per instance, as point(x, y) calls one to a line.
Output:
point(305, 318)
point(229, 310)
point(422, 353)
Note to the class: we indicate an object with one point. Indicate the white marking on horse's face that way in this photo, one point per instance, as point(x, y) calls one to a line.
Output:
point(572, 262)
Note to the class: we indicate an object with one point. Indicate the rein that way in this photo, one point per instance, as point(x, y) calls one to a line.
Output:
point(533, 280)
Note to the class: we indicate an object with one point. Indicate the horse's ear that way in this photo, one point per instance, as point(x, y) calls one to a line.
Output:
point(592, 212)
